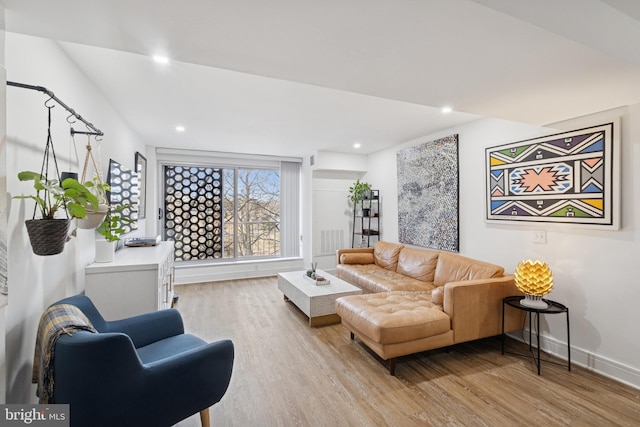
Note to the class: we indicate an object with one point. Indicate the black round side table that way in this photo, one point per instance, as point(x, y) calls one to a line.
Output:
point(553, 308)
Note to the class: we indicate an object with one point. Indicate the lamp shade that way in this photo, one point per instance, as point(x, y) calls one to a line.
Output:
point(535, 280)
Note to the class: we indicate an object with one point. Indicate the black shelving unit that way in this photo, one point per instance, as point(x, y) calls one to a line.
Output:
point(366, 221)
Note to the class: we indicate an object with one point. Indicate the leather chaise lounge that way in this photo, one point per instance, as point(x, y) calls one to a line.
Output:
point(421, 299)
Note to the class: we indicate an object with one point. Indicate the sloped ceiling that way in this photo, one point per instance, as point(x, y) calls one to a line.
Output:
point(296, 76)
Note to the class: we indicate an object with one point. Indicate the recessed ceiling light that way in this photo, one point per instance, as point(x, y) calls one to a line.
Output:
point(356, 145)
point(180, 129)
point(446, 110)
point(160, 59)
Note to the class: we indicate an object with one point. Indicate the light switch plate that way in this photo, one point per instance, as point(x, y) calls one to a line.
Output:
point(540, 236)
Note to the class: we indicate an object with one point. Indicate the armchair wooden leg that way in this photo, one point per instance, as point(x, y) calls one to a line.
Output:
point(204, 418)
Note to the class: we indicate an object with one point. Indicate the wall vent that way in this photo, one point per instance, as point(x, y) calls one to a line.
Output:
point(330, 242)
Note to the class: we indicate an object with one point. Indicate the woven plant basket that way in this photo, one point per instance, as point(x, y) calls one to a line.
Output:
point(47, 236)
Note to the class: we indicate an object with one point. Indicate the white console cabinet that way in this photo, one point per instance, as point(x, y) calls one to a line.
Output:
point(138, 280)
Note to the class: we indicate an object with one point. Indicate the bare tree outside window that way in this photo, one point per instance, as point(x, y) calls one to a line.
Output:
point(257, 213)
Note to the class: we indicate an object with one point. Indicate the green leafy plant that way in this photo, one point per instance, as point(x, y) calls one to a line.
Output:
point(51, 195)
point(98, 189)
point(358, 190)
point(112, 226)
point(95, 216)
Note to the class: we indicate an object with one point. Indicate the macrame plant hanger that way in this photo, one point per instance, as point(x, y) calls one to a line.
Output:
point(97, 170)
point(94, 219)
point(49, 151)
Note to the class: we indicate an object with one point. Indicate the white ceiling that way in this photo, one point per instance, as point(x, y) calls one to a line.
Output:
point(290, 77)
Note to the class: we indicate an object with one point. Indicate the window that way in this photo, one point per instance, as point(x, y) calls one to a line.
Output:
point(231, 212)
point(252, 213)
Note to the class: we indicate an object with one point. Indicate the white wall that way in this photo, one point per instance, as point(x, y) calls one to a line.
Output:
point(331, 224)
point(332, 218)
point(592, 269)
point(35, 282)
point(3, 298)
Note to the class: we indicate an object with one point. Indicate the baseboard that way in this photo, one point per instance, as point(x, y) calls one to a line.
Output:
point(590, 361)
point(233, 271)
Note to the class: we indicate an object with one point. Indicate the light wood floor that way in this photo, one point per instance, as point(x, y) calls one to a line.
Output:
point(288, 374)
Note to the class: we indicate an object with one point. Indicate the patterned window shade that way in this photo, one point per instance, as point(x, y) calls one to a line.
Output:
point(193, 205)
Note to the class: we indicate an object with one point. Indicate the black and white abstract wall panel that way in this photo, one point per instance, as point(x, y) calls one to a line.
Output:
point(428, 194)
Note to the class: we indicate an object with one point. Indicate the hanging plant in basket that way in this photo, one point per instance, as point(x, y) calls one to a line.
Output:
point(98, 188)
point(48, 234)
point(95, 216)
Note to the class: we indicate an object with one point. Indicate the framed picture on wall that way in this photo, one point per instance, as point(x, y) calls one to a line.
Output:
point(570, 178)
point(141, 169)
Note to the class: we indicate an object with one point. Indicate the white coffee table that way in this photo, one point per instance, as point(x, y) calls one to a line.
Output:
point(318, 302)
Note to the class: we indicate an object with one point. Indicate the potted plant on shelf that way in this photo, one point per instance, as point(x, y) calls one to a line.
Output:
point(48, 234)
point(110, 229)
point(359, 190)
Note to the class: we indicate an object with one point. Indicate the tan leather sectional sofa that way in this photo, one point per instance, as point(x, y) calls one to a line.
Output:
point(420, 299)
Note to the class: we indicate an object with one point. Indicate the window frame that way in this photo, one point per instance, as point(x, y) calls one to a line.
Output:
point(219, 160)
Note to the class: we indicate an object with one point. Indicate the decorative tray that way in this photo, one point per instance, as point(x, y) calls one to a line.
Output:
point(317, 282)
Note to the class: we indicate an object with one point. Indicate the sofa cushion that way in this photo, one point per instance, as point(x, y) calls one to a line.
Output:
point(356, 258)
point(386, 254)
point(454, 268)
point(372, 278)
point(418, 263)
point(437, 295)
point(393, 317)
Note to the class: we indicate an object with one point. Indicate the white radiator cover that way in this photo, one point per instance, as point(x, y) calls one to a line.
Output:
point(330, 242)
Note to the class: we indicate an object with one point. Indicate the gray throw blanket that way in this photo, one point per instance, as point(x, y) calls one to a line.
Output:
point(56, 320)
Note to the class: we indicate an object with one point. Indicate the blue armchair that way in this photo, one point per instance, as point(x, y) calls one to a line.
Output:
point(139, 371)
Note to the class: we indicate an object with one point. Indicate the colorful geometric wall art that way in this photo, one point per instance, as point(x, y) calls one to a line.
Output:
point(569, 178)
point(428, 194)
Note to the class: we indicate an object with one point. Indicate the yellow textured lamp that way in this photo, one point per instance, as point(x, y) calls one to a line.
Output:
point(534, 278)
